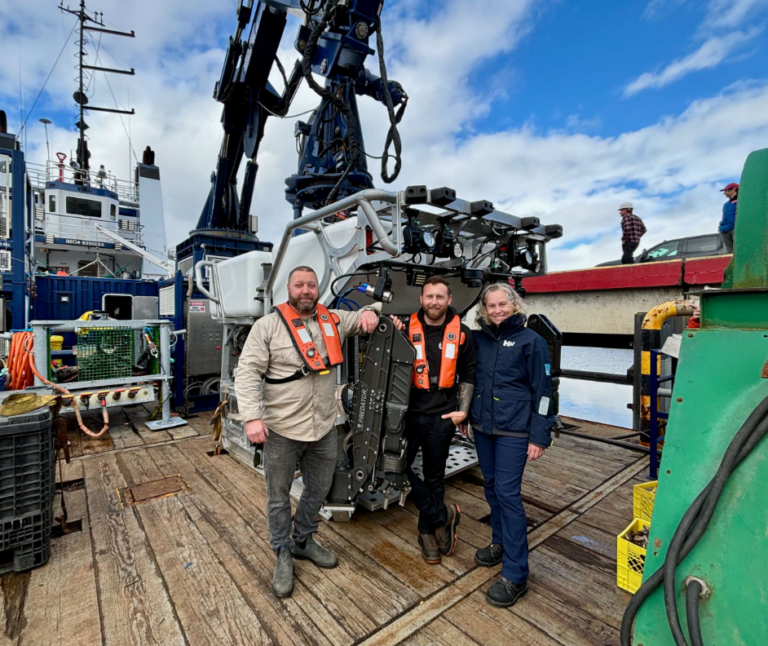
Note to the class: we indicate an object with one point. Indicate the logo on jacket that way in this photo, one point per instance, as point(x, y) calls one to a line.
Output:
point(324, 317)
point(451, 336)
point(297, 323)
point(509, 344)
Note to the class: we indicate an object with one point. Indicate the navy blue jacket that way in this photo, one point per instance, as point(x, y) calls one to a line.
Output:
point(513, 387)
point(728, 221)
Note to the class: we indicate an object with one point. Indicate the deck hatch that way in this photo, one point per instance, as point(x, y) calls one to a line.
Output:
point(148, 491)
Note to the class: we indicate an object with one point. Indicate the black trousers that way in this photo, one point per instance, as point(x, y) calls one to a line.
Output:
point(628, 248)
point(433, 436)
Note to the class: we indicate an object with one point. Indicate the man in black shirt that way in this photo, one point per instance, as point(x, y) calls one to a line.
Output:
point(441, 394)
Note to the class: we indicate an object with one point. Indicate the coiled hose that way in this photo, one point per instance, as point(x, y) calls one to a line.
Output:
point(22, 371)
point(690, 530)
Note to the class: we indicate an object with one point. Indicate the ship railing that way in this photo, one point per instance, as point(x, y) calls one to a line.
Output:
point(127, 191)
point(76, 228)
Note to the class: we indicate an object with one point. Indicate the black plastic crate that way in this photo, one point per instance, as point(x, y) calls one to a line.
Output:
point(25, 542)
point(27, 488)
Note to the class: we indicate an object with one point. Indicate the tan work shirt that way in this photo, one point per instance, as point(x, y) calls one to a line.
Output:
point(304, 409)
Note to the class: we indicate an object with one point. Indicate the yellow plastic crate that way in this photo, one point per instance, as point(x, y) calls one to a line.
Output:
point(630, 559)
point(642, 500)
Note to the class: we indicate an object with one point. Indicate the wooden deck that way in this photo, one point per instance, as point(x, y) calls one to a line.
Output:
point(196, 568)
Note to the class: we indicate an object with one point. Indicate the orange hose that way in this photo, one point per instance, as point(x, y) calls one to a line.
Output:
point(19, 376)
point(25, 347)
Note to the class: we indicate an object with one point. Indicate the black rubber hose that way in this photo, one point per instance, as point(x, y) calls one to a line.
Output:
point(353, 143)
point(745, 440)
point(693, 593)
point(690, 533)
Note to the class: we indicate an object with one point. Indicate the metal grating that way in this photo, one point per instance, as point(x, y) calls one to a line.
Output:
point(168, 301)
point(105, 353)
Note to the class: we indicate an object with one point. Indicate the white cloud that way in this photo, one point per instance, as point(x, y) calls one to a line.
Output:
point(711, 53)
point(671, 169)
point(731, 13)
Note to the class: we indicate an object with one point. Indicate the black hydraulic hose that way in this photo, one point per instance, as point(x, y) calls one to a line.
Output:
point(693, 593)
point(688, 534)
point(393, 136)
point(306, 67)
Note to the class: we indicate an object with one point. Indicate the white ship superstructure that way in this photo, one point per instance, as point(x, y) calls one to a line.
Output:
point(73, 207)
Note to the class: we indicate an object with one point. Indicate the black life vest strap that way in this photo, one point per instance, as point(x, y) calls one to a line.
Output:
point(299, 374)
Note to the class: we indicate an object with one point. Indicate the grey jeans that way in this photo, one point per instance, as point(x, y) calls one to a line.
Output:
point(317, 461)
point(727, 237)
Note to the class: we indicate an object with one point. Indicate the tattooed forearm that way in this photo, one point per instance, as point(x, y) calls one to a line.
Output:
point(465, 396)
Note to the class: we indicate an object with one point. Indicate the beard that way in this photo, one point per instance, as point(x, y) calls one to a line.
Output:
point(435, 313)
point(303, 303)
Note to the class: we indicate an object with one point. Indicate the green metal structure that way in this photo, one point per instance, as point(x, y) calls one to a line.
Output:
point(721, 378)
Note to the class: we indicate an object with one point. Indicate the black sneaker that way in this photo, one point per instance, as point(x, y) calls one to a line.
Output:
point(489, 556)
point(504, 594)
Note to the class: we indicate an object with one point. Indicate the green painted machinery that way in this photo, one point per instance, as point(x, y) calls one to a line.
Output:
point(720, 400)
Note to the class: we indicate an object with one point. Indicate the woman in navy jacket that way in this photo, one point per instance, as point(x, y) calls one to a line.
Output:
point(511, 419)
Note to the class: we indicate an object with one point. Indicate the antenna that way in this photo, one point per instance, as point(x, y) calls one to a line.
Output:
point(46, 123)
point(94, 23)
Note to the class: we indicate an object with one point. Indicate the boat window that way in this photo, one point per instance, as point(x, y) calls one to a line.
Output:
point(665, 249)
point(112, 211)
point(88, 268)
point(704, 244)
point(79, 206)
point(52, 204)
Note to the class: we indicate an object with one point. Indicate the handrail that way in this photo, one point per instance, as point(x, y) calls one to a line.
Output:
point(199, 279)
point(357, 199)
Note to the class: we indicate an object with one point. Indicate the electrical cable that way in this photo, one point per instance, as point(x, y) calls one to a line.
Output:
point(351, 275)
point(393, 136)
point(693, 593)
point(353, 144)
point(285, 116)
point(282, 70)
point(694, 524)
point(37, 98)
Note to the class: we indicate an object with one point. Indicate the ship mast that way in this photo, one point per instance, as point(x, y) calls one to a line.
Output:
point(94, 23)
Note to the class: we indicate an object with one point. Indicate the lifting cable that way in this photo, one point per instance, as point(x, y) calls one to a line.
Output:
point(692, 527)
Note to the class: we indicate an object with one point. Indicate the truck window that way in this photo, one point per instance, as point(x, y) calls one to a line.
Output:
point(665, 250)
point(703, 244)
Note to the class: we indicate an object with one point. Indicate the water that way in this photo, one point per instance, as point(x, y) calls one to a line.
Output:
point(594, 401)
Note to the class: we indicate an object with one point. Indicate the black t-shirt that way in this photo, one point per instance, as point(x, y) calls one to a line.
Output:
point(439, 401)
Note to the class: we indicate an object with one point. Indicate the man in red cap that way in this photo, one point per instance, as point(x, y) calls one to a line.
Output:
point(728, 222)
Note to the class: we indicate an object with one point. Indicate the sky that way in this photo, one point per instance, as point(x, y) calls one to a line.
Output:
point(551, 108)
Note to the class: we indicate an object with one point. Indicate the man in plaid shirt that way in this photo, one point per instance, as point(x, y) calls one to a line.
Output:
point(632, 229)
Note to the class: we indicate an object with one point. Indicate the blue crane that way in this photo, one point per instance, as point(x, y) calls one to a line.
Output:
point(332, 42)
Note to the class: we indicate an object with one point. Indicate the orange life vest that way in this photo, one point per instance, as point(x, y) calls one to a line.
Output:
point(303, 340)
point(453, 337)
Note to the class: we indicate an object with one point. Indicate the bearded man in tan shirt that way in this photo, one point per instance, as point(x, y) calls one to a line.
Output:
point(286, 394)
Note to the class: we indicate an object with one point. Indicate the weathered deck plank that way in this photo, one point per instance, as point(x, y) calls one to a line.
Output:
point(196, 568)
point(135, 605)
point(62, 603)
point(359, 588)
point(209, 605)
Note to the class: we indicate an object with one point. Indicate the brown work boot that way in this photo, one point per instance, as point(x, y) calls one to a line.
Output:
point(446, 536)
point(429, 549)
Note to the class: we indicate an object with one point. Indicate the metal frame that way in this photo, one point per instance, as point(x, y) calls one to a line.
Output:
point(40, 331)
point(656, 414)
point(368, 215)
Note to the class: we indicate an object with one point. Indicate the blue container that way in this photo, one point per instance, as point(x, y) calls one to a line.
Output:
point(66, 298)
